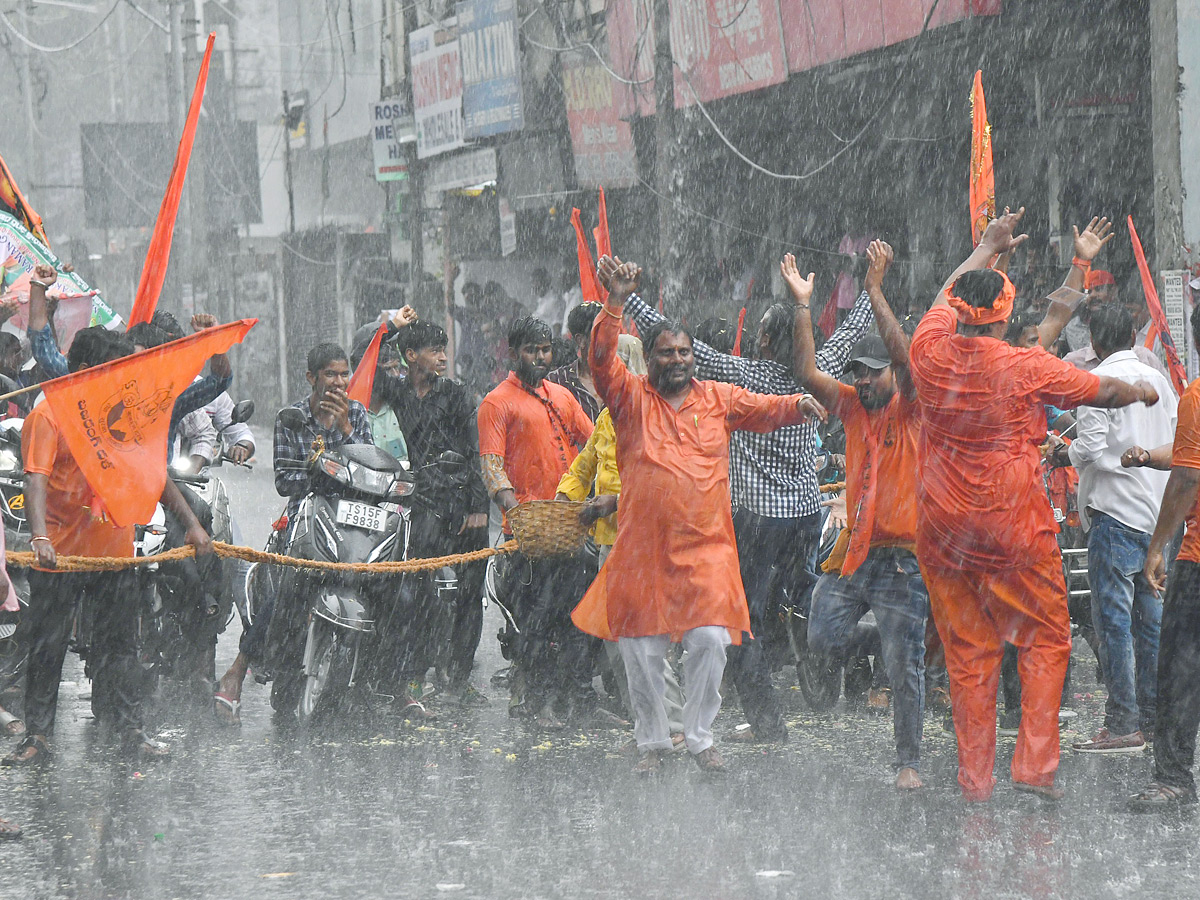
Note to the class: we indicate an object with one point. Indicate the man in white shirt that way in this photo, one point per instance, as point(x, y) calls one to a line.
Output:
point(1119, 507)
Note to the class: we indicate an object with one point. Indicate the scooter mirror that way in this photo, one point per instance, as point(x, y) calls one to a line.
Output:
point(242, 412)
point(292, 419)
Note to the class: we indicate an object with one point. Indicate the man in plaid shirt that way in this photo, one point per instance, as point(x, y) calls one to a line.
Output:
point(773, 483)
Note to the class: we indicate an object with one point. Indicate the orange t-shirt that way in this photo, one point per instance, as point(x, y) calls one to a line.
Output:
point(983, 504)
point(69, 522)
point(537, 437)
point(896, 429)
point(1186, 452)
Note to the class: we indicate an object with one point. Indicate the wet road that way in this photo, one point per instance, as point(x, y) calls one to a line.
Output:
point(474, 806)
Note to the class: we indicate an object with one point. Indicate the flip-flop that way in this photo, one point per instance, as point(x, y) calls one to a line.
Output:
point(226, 708)
point(10, 724)
point(9, 831)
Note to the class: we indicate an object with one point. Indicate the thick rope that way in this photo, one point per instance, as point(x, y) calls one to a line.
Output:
point(249, 554)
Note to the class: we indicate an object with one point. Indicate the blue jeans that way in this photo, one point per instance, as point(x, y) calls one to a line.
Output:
point(889, 584)
point(1128, 618)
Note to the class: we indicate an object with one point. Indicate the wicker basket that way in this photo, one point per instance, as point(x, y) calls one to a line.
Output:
point(547, 527)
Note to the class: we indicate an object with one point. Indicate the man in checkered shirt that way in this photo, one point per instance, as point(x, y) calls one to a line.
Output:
point(773, 483)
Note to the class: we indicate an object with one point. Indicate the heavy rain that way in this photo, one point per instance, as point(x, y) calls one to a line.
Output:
point(599, 448)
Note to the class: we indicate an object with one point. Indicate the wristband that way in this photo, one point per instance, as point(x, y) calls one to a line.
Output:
point(43, 285)
point(1079, 263)
point(609, 312)
point(801, 306)
point(40, 537)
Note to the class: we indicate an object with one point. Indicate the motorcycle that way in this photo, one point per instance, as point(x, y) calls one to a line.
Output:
point(361, 628)
point(188, 602)
point(16, 538)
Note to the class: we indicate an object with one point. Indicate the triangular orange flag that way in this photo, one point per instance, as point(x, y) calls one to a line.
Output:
point(587, 268)
point(983, 176)
point(362, 382)
point(1157, 316)
point(154, 270)
point(115, 417)
point(737, 341)
point(603, 241)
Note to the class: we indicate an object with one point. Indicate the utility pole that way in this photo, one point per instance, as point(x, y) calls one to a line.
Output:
point(287, 163)
point(665, 157)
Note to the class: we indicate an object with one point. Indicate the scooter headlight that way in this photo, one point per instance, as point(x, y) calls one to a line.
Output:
point(335, 470)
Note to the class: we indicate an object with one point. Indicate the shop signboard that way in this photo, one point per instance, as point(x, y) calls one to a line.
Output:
point(601, 141)
point(437, 90)
point(391, 128)
point(491, 69)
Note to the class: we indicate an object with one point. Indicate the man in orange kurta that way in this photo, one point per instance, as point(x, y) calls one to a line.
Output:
point(673, 572)
point(985, 532)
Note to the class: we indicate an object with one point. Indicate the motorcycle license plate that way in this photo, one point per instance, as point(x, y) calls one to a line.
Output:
point(361, 515)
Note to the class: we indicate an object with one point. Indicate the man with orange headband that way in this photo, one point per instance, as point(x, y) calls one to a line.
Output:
point(985, 532)
point(1101, 288)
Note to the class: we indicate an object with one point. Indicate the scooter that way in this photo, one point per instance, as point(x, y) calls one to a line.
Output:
point(363, 629)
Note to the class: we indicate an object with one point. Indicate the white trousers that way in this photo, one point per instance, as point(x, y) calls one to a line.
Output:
point(703, 667)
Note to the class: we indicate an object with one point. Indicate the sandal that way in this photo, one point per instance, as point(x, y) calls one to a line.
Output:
point(10, 724)
point(9, 831)
point(226, 709)
point(1047, 792)
point(1157, 795)
point(32, 751)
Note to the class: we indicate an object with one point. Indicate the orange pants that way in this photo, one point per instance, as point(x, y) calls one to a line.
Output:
point(976, 613)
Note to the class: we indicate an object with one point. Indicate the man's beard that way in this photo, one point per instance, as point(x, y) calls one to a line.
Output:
point(531, 374)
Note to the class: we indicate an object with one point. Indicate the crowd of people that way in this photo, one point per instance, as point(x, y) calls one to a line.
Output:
point(696, 471)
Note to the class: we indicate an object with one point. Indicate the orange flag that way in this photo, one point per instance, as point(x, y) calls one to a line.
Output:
point(587, 268)
point(362, 382)
point(115, 417)
point(983, 176)
point(737, 341)
point(600, 232)
point(1174, 366)
point(13, 201)
point(154, 270)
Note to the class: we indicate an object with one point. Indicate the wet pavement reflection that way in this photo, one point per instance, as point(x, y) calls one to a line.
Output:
point(474, 805)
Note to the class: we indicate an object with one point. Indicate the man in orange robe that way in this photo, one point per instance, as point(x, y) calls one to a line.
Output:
point(985, 532)
point(673, 572)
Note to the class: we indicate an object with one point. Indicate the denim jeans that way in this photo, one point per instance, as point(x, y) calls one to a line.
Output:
point(1128, 617)
point(889, 584)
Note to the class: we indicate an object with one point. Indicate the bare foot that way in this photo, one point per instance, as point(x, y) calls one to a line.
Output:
point(907, 779)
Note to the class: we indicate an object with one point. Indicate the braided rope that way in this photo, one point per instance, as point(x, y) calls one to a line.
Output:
point(249, 554)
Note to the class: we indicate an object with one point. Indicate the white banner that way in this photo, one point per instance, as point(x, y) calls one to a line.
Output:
point(437, 90)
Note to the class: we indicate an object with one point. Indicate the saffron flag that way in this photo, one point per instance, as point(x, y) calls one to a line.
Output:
point(737, 341)
point(587, 268)
point(362, 382)
point(154, 270)
point(600, 233)
point(12, 201)
point(1174, 366)
point(983, 176)
point(115, 417)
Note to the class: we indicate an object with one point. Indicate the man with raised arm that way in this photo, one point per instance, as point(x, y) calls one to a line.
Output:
point(880, 572)
point(673, 571)
point(773, 484)
point(985, 532)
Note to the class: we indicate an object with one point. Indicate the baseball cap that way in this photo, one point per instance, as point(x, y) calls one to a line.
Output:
point(871, 352)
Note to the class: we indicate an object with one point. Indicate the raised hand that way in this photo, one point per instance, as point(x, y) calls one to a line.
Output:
point(999, 234)
point(45, 273)
point(801, 288)
point(1088, 243)
point(624, 280)
point(404, 317)
point(200, 321)
point(879, 257)
point(605, 269)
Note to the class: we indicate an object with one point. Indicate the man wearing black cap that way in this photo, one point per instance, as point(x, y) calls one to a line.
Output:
point(879, 571)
